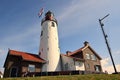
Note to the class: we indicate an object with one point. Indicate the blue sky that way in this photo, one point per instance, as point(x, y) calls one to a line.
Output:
point(77, 22)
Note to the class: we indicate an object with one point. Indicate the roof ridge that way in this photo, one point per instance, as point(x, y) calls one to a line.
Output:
point(26, 56)
point(74, 52)
point(22, 51)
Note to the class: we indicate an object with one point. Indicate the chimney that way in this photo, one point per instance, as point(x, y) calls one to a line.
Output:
point(68, 52)
point(86, 43)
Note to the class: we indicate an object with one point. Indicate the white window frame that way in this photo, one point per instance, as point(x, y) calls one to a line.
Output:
point(97, 68)
point(93, 57)
point(87, 56)
point(88, 66)
point(31, 66)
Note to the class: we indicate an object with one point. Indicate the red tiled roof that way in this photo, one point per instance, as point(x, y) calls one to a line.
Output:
point(27, 56)
point(75, 52)
point(82, 49)
point(77, 59)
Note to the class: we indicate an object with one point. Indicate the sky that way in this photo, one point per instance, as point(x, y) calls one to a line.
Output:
point(20, 26)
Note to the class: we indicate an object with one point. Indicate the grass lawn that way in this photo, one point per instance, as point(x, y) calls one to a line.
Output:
point(71, 77)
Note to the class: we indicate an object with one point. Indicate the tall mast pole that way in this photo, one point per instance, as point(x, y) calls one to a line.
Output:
point(106, 41)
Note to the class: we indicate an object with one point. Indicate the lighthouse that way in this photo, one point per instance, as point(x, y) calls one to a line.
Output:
point(49, 43)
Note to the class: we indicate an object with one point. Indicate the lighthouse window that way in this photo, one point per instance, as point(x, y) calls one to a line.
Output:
point(41, 33)
point(53, 25)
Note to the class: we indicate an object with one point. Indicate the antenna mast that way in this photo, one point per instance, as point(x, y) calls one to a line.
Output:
point(108, 47)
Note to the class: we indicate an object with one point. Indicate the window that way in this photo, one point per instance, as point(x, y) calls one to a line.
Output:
point(87, 56)
point(88, 66)
point(80, 64)
point(31, 68)
point(41, 33)
point(97, 68)
point(66, 66)
point(93, 57)
point(53, 25)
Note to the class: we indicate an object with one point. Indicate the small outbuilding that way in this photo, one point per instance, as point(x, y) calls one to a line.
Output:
point(18, 63)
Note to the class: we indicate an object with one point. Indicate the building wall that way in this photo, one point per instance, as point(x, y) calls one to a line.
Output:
point(25, 65)
point(90, 63)
point(12, 62)
point(69, 64)
point(79, 65)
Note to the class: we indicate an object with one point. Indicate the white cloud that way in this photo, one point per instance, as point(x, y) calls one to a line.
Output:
point(83, 8)
point(105, 61)
point(110, 69)
point(22, 39)
point(2, 70)
point(106, 66)
point(82, 14)
point(0, 51)
point(22, 35)
point(117, 52)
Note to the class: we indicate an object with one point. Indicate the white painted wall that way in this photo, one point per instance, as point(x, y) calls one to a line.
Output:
point(68, 63)
point(71, 64)
point(49, 47)
point(79, 65)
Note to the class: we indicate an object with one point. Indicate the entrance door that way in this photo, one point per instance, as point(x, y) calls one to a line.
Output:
point(13, 72)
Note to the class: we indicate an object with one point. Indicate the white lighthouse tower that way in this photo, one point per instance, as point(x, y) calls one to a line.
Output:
point(49, 44)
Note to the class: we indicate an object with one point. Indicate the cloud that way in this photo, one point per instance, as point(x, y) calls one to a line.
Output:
point(0, 51)
point(110, 69)
point(83, 8)
point(2, 70)
point(105, 61)
point(106, 66)
point(117, 52)
point(81, 15)
point(25, 39)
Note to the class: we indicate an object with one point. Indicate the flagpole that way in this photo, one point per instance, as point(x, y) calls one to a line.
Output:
point(108, 47)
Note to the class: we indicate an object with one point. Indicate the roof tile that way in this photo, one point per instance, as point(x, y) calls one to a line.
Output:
point(27, 56)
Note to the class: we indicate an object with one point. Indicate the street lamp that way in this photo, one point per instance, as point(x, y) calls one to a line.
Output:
point(108, 47)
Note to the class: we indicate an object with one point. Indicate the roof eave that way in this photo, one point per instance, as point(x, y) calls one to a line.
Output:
point(34, 61)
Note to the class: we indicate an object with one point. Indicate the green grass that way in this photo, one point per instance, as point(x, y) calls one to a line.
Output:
point(71, 77)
